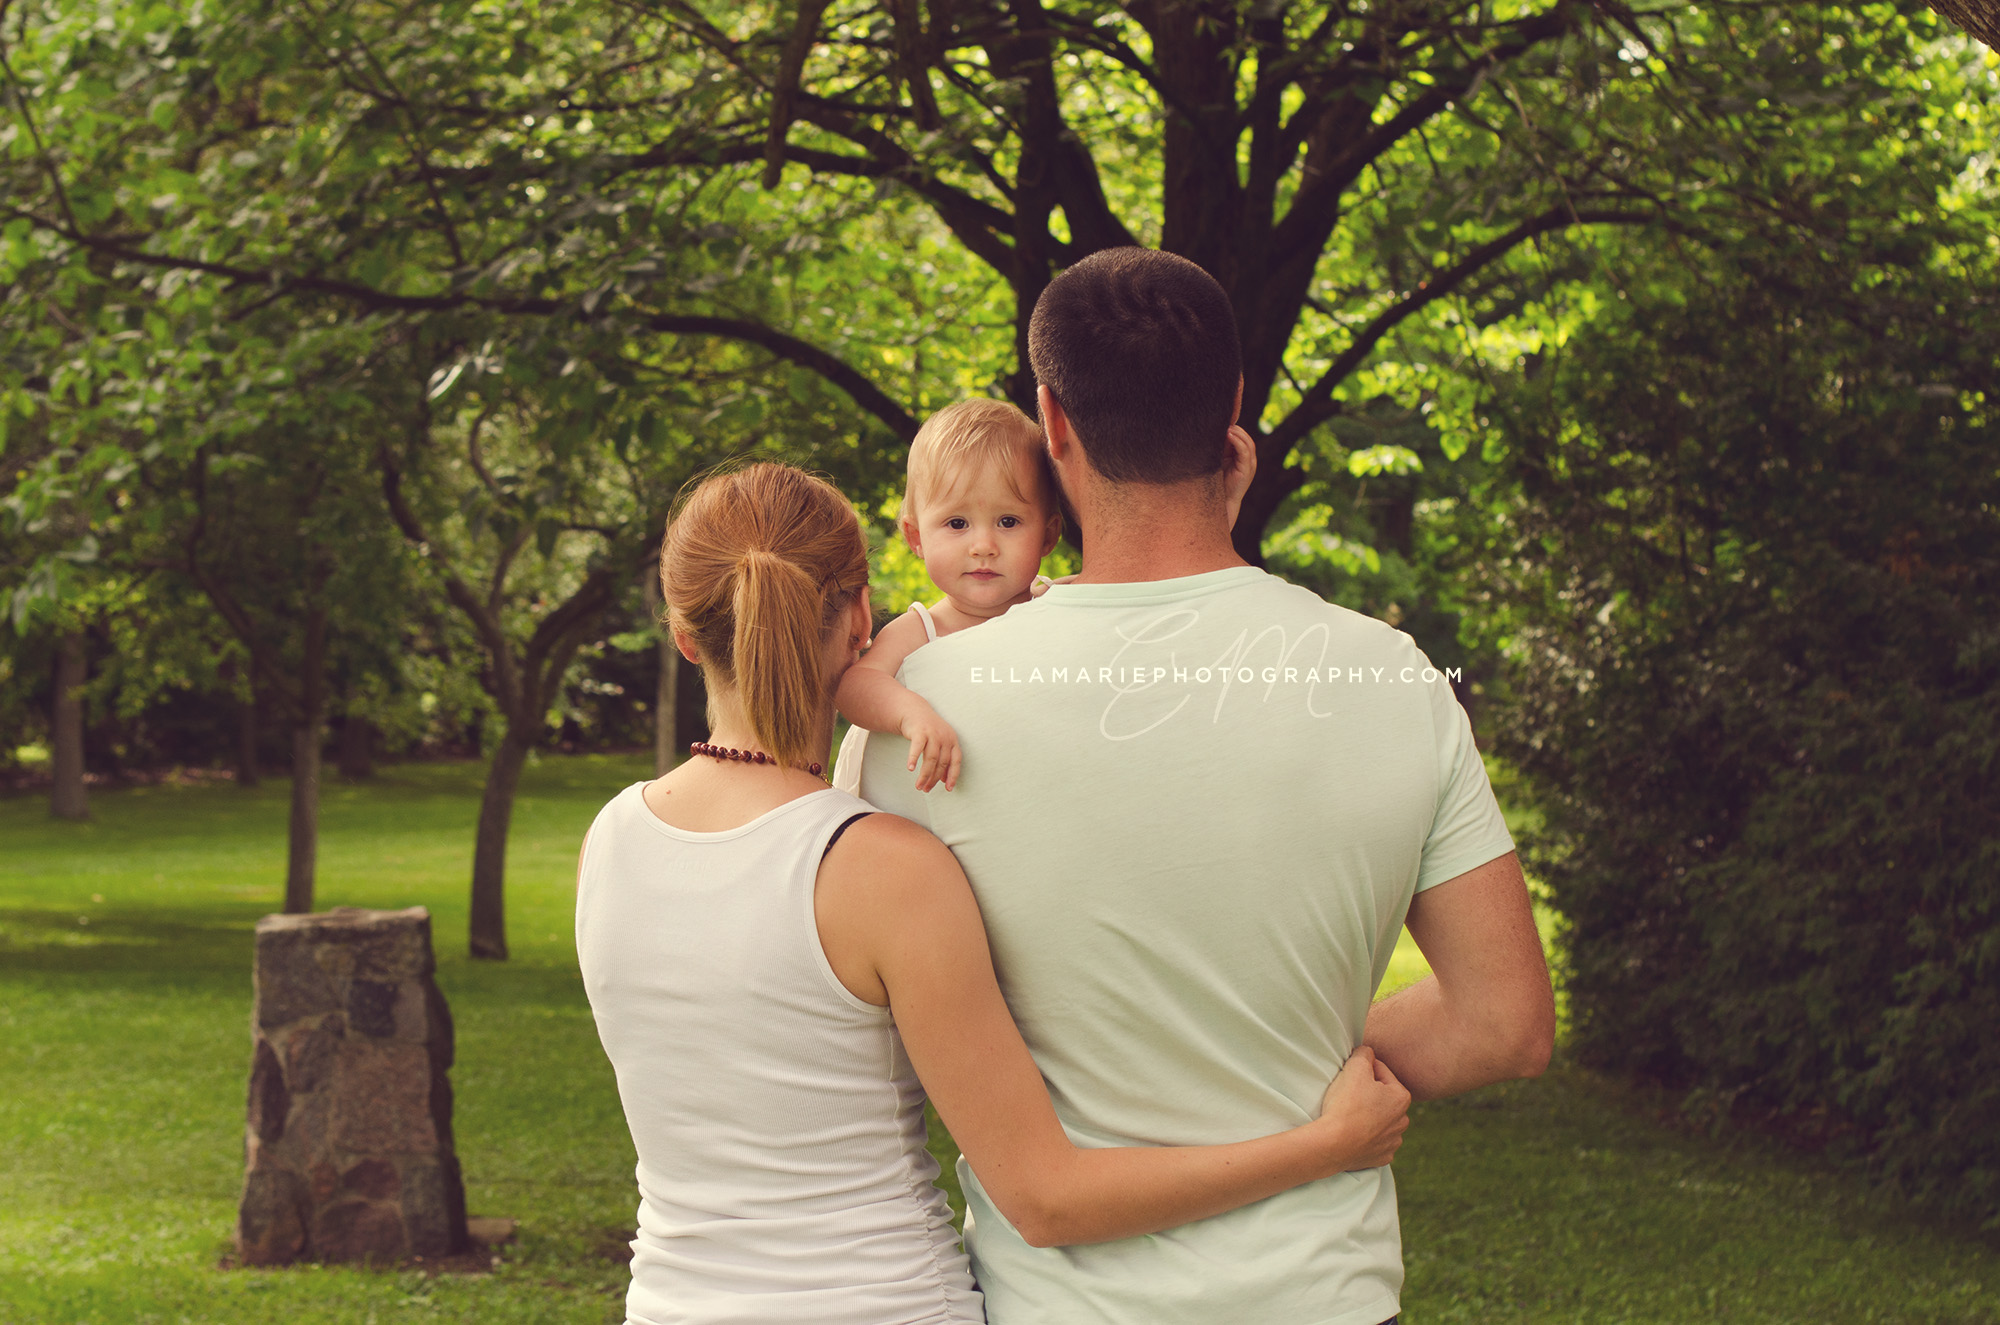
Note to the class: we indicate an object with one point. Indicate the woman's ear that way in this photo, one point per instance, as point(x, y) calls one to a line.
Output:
point(861, 620)
point(685, 643)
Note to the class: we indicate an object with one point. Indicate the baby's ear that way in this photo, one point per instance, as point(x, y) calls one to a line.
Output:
point(1051, 533)
point(910, 535)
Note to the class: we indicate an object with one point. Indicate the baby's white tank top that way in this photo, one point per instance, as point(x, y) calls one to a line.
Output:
point(854, 746)
point(780, 1129)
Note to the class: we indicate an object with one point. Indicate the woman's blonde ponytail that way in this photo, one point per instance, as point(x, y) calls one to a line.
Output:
point(758, 566)
point(777, 650)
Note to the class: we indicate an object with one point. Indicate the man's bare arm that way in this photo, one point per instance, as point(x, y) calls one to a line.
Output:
point(1486, 1013)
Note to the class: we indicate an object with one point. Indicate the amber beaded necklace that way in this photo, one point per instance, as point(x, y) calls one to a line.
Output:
point(815, 768)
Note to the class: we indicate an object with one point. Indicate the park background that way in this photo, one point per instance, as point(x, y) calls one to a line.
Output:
point(1636, 359)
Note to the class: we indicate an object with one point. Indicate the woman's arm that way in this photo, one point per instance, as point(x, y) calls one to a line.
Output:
point(900, 927)
point(870, 696)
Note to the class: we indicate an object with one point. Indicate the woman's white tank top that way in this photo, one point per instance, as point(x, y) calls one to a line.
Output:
point(780, 1129)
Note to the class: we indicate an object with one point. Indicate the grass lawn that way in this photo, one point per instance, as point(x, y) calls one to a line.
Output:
point(124, 1049)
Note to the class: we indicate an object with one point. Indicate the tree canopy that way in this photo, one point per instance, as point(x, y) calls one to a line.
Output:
point(1630, 356)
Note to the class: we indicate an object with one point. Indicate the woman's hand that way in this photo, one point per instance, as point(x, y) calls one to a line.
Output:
point(1368, 1111)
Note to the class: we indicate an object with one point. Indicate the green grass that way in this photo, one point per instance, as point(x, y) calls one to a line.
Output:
point(124, 1039)
point(124, 1052)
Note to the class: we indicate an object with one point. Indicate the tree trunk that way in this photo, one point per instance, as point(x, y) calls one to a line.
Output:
point(666, 710)
point(489, 852)
point(666, 690)
point(246, 742)
point(303, 856)
point(690, 707)
point(357, 748)
point(1979, 17)
point(69, 799)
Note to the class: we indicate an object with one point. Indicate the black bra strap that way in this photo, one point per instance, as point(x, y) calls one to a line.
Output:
point(845, 824)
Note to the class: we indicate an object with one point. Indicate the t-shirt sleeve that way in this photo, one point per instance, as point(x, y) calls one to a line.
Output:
point(1467, 829)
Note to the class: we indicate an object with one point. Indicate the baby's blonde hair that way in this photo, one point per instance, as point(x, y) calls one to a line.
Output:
point(958, 439)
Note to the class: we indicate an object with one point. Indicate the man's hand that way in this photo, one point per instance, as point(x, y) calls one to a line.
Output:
point(1371, 1109)
point(933, 745)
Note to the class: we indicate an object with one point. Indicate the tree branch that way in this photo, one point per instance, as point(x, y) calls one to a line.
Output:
point(1317, 405)
point(790, 66)
point(835, 370)
point(485, 623)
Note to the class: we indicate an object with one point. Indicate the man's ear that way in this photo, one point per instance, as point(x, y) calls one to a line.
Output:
point(1242, 469)
point(1236, 406)
point(1055, 424)
point(685, 643)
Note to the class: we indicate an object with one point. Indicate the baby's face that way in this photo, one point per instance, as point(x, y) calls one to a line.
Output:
point(982, 544)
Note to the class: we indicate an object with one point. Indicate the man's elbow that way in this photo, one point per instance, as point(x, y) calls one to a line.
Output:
point(1536, 1052)
point(1534, 1040)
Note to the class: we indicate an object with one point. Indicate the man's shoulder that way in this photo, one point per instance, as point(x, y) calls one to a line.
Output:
point(1247, 602)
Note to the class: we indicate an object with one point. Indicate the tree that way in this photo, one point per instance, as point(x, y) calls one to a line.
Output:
point(537, 493)
point(865, 199)
point(1743, 580)
point(285, 538)
point(1339, 168)
point(238, 111)
point(67, 799)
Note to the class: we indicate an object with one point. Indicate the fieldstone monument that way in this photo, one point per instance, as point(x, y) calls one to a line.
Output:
point(348, 1154)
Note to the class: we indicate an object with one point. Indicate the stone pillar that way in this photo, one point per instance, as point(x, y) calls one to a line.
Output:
point(348, 1153)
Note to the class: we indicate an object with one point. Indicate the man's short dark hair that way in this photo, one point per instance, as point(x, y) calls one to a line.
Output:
point(1139, 348)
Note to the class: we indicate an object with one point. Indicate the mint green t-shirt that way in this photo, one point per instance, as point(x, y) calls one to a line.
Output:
point(1194, 813)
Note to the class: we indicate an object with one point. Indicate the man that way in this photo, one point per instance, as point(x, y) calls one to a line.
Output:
point(1197, 806)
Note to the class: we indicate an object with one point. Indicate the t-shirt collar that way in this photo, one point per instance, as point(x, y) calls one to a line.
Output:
point(1150, 591)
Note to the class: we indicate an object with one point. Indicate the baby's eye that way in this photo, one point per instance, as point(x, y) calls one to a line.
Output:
point(1010, 522)
point(956, 522)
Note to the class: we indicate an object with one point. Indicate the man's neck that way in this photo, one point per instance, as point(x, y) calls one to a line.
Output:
point(1128, 539)
point(1135, 564)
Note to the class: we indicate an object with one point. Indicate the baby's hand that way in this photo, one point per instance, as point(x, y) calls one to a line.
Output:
point(934, 753)
point(1042, 583)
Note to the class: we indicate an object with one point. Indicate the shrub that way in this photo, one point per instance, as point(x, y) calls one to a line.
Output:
point(1749, 589)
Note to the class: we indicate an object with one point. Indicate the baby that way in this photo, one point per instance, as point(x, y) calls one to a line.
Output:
point(980, 508)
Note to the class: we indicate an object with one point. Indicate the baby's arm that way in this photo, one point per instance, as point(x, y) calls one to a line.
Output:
point(870, 696)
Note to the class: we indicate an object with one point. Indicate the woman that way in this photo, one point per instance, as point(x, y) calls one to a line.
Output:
point(773, 967)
